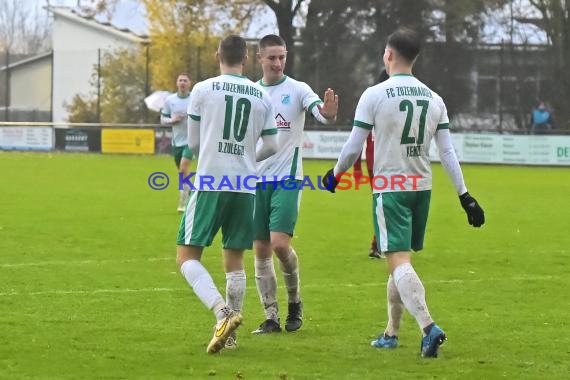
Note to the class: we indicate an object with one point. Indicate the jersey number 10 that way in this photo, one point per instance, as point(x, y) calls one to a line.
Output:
point(408, 106)
point(241, 119)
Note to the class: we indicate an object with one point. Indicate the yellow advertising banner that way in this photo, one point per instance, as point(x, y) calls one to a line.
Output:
point(138, 141)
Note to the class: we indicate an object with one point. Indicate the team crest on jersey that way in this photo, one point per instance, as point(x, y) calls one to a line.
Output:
point(285, 98)
point(281, 122)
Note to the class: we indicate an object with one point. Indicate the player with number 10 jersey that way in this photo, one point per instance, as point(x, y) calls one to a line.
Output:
point(229, 135)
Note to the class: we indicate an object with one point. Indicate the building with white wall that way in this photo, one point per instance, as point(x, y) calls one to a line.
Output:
point(78, 40)
point(28, 87)
point(49, 81)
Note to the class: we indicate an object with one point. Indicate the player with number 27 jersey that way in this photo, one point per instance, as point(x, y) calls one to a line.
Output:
point(228, 139)
point(405, 114)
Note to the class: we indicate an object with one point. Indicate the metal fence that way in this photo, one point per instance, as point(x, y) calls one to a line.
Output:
point(486, 87)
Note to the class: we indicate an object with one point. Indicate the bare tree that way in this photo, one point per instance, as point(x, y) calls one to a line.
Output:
point(553, 17)
point(285, 11)
point(24, 27)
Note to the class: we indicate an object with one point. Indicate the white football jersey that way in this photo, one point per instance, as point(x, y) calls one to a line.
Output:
point(405, 115)
point(291, 99)
point(174, 104)
point(234, 113)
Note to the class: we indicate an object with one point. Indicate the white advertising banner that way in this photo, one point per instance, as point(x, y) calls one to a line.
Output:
point(510, 149)
point(472, 148)
point(324, 144)
point(26, 138)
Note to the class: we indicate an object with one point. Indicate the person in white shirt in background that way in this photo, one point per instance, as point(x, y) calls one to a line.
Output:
point(175, 114)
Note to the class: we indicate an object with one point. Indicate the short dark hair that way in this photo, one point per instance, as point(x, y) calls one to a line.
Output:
point(232, 50)
point(271, 40)
point(184, 74)
point(406, 42)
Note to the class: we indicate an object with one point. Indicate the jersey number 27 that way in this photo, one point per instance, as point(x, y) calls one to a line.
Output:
point(408, 106)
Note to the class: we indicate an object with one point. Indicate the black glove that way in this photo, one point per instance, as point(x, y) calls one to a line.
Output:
point(475, 214)
point(329, 181)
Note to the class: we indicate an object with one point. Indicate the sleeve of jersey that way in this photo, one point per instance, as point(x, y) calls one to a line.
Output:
point(311, 101)
point(351, 150)
point(269, 126)
point(362, 125)
point(165, 117)
point(269, 145)
point(267, 148)
point(449, 159)
point(444, 119)
point(364, 115)
point(194, 116)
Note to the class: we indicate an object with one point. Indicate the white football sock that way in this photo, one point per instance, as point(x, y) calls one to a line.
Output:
point(186, 189)
point(412, 293)
point(203, 285)
point(235, 289)
point(395, 308)
point(290, 269)
point(266, 282)
point(181, 200)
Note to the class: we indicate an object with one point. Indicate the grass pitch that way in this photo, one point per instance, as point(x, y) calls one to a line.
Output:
point(89, 287)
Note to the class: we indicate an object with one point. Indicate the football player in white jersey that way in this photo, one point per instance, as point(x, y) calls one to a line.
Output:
point(277, 203)
point(405, 115)
point(174, 113)
point(227, 116)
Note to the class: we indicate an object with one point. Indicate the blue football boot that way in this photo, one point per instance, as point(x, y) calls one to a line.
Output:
point(432, 341)
point(385, 341)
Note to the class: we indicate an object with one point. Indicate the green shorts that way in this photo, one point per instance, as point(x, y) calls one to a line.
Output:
point(207, 211)
point(181, 151)
point(276, 208)
point(400, 219)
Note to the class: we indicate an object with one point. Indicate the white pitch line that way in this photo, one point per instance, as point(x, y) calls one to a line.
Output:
point(313, 286)
point(83, 262)
point(94, 291)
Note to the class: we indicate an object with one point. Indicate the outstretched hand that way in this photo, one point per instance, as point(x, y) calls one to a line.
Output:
point(330, 107)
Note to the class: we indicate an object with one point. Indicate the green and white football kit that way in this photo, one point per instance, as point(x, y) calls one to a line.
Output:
point(405, 115)
point(231, 114)
point(277, 206)
point(175, 104)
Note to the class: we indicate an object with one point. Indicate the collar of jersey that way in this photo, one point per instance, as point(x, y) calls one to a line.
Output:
point(402, 75)
point(182, 97)
point(236, 75)
point(274, 84)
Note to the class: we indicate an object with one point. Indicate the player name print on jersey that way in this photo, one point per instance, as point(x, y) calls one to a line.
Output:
point(414, 151)
point(231, 148)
